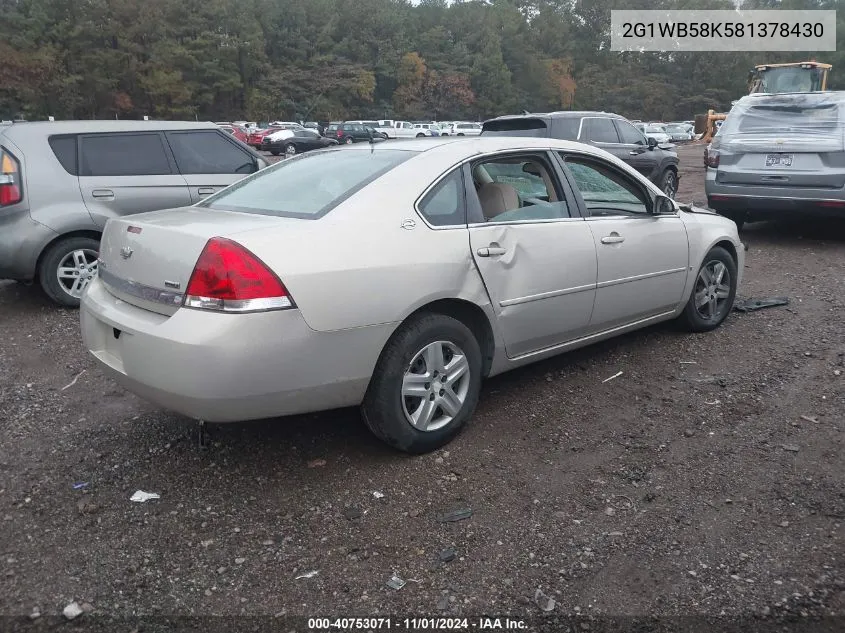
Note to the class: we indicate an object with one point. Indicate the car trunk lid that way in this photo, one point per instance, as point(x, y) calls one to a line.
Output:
point(147, 259)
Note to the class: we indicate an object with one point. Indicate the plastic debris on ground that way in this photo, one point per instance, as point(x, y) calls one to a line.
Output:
point(308, 574)
point(378, 495)
point(73, 382)
point(750, 305)
point(396, 582)
point(455, 515)
point(139, 496)
point(72, 611)
point(612, 377)
point(80, 485)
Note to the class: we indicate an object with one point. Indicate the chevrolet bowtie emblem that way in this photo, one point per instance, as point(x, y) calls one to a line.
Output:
point(126, 252)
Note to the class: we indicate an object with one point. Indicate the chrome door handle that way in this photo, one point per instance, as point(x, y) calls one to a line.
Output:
point(633, 153)
point(205, 191)
point(613, 238)
point(102, 193)
point(491, 251)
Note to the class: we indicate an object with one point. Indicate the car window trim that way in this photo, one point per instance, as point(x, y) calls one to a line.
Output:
point(229, 139)
point(554, 175)
point(171, 160)
point(649, 194)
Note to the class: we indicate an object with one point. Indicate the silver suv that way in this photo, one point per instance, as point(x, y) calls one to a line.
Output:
point(60, 182)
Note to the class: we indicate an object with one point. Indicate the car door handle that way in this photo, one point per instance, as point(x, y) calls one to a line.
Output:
point(613, 238)
point(491, 251)
point(634, 153)
point(102, 193)
point(205, 191)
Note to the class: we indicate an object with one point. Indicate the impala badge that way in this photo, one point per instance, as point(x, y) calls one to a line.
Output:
point(408, 225)
point(126, 252)
point(172, 284)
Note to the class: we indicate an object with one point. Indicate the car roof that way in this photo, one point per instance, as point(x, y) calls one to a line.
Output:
point(563, 114)
point(460, 148)
point(47, 128)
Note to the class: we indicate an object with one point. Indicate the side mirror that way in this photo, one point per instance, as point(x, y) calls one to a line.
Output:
point(652, 142)
point(663, 206)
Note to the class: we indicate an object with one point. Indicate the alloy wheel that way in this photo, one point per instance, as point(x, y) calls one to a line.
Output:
point(435, 386)
point(76, 270)
point(712, 290)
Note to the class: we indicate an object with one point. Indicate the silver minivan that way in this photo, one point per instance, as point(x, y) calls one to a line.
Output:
point(778, 154)
point(61, 181)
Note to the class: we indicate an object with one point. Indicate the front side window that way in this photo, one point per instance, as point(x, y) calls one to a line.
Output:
point(308, 186)
point(445, 205)
point(630, 135)
point(599, 130)
point(606, 191)
point(206, 152)
point(123, 155)
point(518, 188)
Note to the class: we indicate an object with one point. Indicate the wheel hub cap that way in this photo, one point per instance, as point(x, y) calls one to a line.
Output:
point(435, 386)
point(712, 290)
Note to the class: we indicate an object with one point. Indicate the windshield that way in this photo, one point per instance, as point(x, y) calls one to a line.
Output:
point(308, 186)
point(790, 80)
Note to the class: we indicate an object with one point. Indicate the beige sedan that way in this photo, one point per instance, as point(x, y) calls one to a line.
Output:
point(397, 277)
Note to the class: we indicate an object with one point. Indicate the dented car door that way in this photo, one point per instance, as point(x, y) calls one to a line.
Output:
point(535, 254)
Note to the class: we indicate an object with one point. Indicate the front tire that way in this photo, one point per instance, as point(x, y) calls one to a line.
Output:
point(426, 384)
point(669, 183)
point(290, 149)
point(349, 140)
point(713, 293)
point(67, 268)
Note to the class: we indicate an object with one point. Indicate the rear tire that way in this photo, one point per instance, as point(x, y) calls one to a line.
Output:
point(77, 259)
point(739, 217)
point(404, 364)
point(695, 317)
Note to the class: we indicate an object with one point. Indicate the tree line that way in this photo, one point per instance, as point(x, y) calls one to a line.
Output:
point(336, 59)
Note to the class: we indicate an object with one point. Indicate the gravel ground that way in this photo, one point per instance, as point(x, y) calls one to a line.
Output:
point(706, 479)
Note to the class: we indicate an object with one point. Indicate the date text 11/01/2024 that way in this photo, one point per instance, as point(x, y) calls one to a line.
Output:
point(416, 624)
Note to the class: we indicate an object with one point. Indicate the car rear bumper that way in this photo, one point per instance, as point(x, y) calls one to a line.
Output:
point(228, 367)
point(773, 201)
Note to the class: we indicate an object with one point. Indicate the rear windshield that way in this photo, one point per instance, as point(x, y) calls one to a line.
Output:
point(784, 118)
point(308, 186)
point(515, 127)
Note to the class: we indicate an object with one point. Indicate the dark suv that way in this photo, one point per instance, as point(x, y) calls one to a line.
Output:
point(610, 132)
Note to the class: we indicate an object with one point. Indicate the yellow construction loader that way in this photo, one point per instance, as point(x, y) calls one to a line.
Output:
point(808, 76)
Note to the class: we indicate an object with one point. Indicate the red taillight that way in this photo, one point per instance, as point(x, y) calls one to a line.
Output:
point(10, 179)
point(711, 158)
point(229, 278)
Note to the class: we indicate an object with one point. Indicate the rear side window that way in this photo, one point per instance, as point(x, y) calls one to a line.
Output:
point(599, 130)
point(206, 152)
point(566, 128)
point(445, 204)
point(629, 134)
point(308, 186)
point(516, 127)
point(123, 155)
point(64, 147)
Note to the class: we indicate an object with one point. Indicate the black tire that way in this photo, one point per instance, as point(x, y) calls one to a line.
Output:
point(420, 135)
point(275, 152)
point(739, 217)
point(288, 148)
point(460, 133)
point(669, 183)
point(383, 409)
point(349, 140)
point(50, 262)
point(691, 319)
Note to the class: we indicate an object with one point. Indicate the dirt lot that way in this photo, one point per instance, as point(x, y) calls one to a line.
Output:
point(706, 479)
